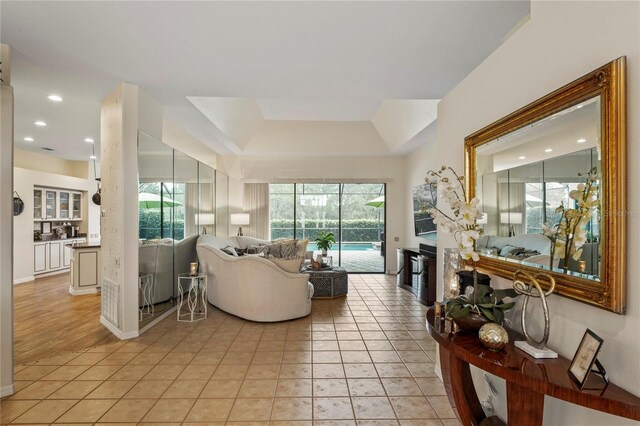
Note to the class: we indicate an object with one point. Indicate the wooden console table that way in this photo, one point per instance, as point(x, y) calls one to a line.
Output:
point(528, 381)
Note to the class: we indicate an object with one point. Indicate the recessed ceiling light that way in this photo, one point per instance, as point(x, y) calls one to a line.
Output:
point(40, 123)
point(581, 140)
point(548, 150)
point(28, 139)
point(88, 140)
point(522, 157)
point(93, 157)
point(55, 98)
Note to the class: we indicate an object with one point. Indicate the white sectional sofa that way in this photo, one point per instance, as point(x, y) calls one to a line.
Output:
point(251, 287)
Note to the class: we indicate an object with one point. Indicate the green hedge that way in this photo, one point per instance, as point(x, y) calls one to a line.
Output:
point(353, 230)
point(149, 222)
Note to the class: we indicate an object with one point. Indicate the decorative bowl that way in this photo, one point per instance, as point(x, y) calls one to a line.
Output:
point(471, 323)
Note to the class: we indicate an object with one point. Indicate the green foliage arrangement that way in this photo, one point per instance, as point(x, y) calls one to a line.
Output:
point(353, 230)
point(325, 240)
point(484, 301)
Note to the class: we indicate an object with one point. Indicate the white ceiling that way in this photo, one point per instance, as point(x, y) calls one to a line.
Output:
point(301, 61)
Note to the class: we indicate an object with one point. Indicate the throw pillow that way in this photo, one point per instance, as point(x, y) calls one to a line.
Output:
point(302, 247)
point(508, 249)
point(260, 249)
point(231, 251)
point(290, 265)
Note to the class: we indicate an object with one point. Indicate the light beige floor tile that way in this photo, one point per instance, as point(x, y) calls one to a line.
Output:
point(147, 389)
point(414, 356)
point(87, 411)
point(297, 357)
point(205, 357)
point(372, 408)
point(112, 389)
point(328, 371)
point(357, 357)
point(132, 372)
point(412, 407)
point(406, 345)
point(177, 358)
point(271, 345)
point(330, 387)
point(365, 387)
point(378, 345)
point(401, 386)
point(297, 345)
point(265, 357)
point(360, 371)
point(253, 409)
point(326, 357)
point(352, 345)
point(165, 411)
point(384, 356)
point(147, 358)
point(431, 386)
point(295, 371)
point(210, 410)
point(118, 358)
point(87, 358)
point(38, 390)
point(230, 372)
point(66, 372)
point(185, 389)
point(292, 409)
point(164, 372)
point(221, 389)
point(34, 372)
point(392, 370)
point(18, 385)
point(442, 407)
point(10, 409)
point(197, 372)
point(325, 345)
point(76, 389)
point(237, 358)
point(450, 422)
point(258, 389)
point(99, 372)
point(421, 369)
point(421, 423)
point(266, 371)
point(128, 410)
point(61, 359)
point(294, 388)
point(332, 409)
point(46, 411)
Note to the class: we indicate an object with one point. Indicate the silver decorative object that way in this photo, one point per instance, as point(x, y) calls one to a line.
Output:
point(493, 336)
point(531, 288)
point(452, 264)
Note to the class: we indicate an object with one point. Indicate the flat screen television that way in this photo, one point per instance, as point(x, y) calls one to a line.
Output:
point(424, 197)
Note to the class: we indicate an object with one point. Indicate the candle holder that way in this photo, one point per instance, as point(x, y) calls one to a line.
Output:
point(193, 269)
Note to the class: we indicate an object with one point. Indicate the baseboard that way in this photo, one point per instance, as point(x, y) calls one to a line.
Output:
point(74, 292)
point(7, 390)
point(157, 320)
point(56, 272)
point(23, 280)
point(116, 332)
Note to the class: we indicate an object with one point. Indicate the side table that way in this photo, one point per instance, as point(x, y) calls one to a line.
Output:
point(329, 283)
point(146, 286)
point(196, 300)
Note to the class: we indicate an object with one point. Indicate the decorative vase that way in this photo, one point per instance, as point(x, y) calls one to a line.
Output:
point(452, 264)
point(471, 323)
point(493, 336)
point(324, 252)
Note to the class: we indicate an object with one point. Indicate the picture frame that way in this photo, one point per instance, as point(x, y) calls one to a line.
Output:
point(46, 227)
point(585, 357)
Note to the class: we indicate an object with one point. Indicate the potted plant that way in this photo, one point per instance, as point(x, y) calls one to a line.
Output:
point(484, 304)
point(324, 241)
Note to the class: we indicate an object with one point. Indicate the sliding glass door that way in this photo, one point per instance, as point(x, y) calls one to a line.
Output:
point(354, 213)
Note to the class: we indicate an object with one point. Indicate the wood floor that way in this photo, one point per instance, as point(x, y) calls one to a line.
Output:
point(48, 320)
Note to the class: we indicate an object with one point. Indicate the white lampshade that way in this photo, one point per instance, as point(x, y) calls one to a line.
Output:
point(483, 220)
point(512, 218)
point(240, 219)
point(205, 219)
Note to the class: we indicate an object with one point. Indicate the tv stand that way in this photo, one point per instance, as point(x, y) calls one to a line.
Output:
point(417, 272)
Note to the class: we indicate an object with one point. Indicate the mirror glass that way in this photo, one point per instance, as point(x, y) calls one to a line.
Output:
point(222, 205)
point(206, 220)
point(533, 182)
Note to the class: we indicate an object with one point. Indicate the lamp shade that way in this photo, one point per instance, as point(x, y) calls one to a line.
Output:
point(205, 219)
point(240, 219)
point(512, 218)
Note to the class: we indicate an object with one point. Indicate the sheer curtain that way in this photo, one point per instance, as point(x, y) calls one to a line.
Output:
point(190, 209)
point(512, 198)
point(256, 203)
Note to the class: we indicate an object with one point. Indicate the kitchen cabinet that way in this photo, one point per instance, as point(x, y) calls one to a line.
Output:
point(56, 204)
point(51, 256)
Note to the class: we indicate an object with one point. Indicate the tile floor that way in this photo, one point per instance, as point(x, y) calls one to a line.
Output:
point(366, 359)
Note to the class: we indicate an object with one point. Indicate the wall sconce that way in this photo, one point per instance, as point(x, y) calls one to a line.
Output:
point(240, 219)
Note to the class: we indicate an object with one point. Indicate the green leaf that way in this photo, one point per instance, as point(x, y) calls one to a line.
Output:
point(481, 291)
point(505, 306)
point(459, 313)
point(498, 316)
point(487, 313)
point(502, 293)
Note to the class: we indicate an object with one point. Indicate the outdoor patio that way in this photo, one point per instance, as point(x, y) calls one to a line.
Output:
point(359, 260)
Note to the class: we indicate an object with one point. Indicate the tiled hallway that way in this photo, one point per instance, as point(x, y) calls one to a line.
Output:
point(366, 359)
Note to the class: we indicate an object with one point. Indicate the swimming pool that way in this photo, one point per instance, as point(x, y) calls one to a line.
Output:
point(345, 247)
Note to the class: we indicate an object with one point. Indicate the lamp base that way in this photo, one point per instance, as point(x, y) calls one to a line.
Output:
point(240, 231)
point(535, 352)
point(204, 230)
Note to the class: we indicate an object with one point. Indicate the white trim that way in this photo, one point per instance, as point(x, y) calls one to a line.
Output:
point(7, 390)
point(23, 280)
point(157, 320)
point(118, 333)
point(74, 292)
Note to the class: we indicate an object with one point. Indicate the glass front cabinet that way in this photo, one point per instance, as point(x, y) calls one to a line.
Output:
point(52, 204)
point(37, 204)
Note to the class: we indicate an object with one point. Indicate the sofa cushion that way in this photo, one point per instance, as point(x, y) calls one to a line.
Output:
point(217, 242)
point(231, 251)
point(245, 242)
point(290, 265)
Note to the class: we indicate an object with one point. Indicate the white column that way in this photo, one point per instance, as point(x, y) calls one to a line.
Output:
point(6, 226)
point(125, 111)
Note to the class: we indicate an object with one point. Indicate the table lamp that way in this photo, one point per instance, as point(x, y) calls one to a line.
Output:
point(510, 219)
point(240, 219)
point(204, 219)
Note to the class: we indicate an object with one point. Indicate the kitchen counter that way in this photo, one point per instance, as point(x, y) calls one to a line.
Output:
point(90, 244)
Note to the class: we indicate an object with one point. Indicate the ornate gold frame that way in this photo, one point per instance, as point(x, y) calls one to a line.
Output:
point(608, 81)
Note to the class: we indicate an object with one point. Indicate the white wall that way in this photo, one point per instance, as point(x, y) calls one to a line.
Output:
point(561, 42)
point(24, 182)
point(389, 170)
point(6, 227)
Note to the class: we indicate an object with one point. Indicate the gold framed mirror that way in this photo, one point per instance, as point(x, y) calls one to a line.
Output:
point(551, 180)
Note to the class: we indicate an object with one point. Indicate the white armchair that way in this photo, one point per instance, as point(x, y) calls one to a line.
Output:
point(252, 287)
